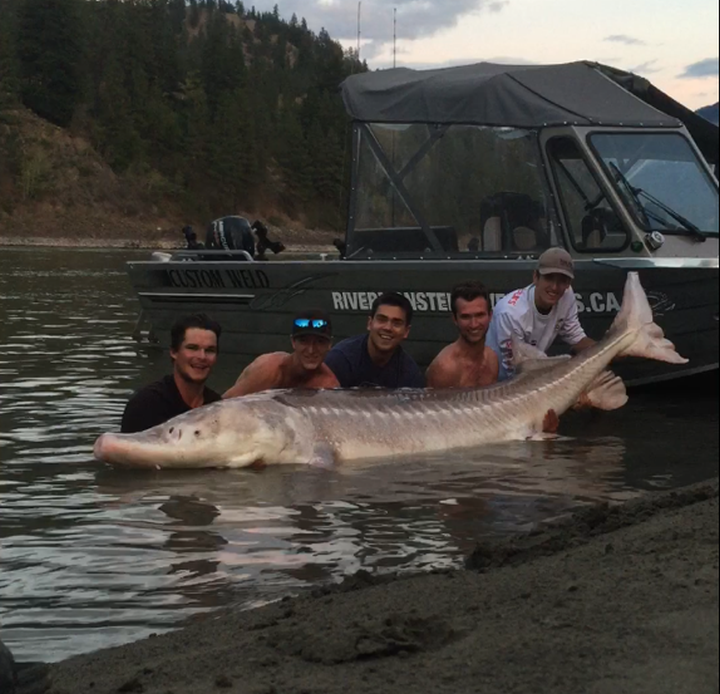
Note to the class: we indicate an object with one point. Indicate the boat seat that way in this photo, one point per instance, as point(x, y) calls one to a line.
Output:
point(492, 235)
point(512, 221)
point(594, 227)
point(524, 238)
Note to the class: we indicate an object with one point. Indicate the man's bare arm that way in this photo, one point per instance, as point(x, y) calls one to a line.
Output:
point(583, 344)
point(328, 379)
point(440, 374)
point(260, 375)
point(491, 359)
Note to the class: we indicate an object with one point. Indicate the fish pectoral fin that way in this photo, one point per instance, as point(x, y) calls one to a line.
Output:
point(545, 431)
point(606, 392)
point(323, 456)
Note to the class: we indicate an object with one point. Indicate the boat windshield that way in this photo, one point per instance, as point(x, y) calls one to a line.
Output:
point(446, 190)
point(661, 180)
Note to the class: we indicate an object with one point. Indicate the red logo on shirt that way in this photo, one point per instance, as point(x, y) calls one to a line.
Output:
point(515, 297)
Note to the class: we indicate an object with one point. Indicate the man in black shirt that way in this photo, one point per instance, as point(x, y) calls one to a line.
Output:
point(193, 350)
point(377, 357)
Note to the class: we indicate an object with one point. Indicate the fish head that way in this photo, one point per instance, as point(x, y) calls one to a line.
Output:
point(237, 432)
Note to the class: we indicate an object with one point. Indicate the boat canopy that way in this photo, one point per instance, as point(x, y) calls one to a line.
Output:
point(519, 96)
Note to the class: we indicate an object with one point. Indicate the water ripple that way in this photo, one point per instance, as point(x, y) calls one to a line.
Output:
point(93, 557)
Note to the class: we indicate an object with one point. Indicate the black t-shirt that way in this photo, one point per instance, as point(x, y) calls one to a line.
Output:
point(350, 361)
point(155, 404)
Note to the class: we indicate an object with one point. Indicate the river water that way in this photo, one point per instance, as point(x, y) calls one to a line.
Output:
point(93, 557)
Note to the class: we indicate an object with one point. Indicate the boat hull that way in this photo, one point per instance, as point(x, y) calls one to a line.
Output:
point(254, 301)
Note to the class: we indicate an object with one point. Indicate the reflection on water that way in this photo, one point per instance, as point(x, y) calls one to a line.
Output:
point(93, 556)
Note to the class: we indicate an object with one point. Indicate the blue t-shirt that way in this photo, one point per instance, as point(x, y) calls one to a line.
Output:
point(350, 361)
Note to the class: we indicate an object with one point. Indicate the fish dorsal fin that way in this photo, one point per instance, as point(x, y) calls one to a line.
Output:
point(527, 358)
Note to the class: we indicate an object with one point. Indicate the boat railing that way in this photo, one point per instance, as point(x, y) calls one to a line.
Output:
point(203, 254)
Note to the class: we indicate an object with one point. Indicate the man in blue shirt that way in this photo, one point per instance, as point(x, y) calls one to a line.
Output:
point(377, 358)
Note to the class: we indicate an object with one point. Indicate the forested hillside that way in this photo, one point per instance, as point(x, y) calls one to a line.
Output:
point(205, 108)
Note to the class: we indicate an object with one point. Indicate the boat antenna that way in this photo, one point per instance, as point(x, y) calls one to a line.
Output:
point(394, 36)
point(358, 31)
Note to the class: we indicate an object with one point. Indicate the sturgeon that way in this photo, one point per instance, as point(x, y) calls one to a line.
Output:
point(335, 426)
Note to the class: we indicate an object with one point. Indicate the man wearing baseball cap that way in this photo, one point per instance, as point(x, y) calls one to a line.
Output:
point(311, 338)
point(539, 313)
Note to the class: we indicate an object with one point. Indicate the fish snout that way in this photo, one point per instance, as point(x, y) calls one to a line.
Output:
point(184, 434)
point(97, 448)
point(101, 447)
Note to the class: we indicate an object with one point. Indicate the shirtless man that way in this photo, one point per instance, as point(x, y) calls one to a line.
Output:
point(311, 338)
point(467, 362)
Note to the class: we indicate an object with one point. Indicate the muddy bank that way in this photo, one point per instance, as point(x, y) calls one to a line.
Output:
point(87, 229)
point(164, 244)
point(615, 599)
point(75, 242)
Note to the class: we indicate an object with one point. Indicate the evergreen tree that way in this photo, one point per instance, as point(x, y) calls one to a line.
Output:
point(193, 93)
point(294, 157)
point(194, 16)
point(50, 51)
point(196, 117)
point(9, 86)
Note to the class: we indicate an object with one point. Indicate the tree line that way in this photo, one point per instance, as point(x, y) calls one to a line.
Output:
point(228, 108)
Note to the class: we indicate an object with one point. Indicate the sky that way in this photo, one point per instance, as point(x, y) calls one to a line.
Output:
point(673, 44)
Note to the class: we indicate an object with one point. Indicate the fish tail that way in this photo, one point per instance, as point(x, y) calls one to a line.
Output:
point(636, 318)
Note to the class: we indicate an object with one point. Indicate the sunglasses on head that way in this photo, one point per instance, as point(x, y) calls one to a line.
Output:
point(310, 322)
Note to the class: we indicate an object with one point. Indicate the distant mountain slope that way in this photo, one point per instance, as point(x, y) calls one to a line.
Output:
point(709, 113)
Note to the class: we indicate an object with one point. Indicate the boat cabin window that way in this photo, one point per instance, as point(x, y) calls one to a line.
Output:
point(592, 223)
point(425, 190)
point(661, 180)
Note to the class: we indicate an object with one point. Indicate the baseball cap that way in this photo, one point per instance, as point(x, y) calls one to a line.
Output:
point(556, 260)
point(312, 322)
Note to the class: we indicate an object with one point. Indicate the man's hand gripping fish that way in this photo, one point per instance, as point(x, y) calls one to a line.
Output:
point(335, 426)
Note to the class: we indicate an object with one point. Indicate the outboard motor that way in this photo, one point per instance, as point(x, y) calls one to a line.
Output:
point(232, 233)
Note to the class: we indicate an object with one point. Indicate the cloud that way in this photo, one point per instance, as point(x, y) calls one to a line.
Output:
point(646, 68)
point(703, 68)
point(624, 38)
point(416, 19)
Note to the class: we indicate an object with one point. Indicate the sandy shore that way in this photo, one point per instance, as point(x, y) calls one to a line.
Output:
point(615, 600)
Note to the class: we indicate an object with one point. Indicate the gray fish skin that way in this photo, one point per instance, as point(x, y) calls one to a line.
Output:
point(336, 426)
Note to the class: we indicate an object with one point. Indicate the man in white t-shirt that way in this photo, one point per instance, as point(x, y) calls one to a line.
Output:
point(539, 313)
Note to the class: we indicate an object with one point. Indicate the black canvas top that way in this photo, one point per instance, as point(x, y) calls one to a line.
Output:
point(521, 96)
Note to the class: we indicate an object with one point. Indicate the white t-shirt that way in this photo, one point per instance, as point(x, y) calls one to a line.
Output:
point(517, 314)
